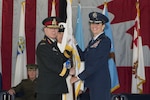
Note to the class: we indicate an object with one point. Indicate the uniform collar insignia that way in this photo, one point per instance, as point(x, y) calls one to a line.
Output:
point(54, 49)
point(49, 41)
point(54, 21)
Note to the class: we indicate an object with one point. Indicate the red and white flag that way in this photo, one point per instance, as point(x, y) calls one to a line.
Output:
point(138, 69)
point(53, 12)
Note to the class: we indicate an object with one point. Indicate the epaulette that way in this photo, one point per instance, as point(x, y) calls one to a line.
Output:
point(43, 42)
point(44, 39)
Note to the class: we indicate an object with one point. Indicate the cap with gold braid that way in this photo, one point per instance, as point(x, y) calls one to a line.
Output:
point(51, 22)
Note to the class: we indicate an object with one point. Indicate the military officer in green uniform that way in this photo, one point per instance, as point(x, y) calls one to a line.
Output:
point(51, 81)
point(26, 86)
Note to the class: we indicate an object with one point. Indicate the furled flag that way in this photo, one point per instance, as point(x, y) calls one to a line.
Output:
point(138, 69)
point(53, 12)
point(70, 45)
point(79, 29)
point(20, 70)
point(67, 42)
point(80, 40)
point(112, 66)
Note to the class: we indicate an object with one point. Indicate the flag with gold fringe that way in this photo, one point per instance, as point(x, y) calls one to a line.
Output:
point(71, 46)
point(112, 66)
point(138, 68)
point(20, 70)
point(80, 40)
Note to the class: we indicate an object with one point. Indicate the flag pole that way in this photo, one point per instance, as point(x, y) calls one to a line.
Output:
point(73, 87)
point(138, 13)
point(138, 69)
point(112, 63)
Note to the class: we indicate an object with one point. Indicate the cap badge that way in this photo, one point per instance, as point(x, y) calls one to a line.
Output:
point(94, 15)
point(54, 21)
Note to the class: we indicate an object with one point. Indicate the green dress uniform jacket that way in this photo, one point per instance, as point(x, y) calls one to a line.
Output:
point(26, 86)
point(52, 74)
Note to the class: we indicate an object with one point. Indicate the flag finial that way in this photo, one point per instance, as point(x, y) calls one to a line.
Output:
point(138, 9)
point(23, 3)
point(78, 1)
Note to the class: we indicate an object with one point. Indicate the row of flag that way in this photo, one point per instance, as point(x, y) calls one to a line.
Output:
point(138, 78)
point(80, 40)
point(137, 53)
point(138, 70)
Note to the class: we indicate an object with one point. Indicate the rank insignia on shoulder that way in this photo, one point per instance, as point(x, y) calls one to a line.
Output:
point(44, 39)
point(42, 43)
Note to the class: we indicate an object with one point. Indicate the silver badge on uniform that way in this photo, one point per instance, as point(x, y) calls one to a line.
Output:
point(94, 15)
point(95, 44)
point(54, 49)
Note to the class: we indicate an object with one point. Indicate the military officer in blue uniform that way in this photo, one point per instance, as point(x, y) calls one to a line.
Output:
point(51, 82)
point(96, 74)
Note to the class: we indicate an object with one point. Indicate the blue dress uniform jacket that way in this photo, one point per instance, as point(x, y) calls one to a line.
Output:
point(52, 75)
point(96, 74)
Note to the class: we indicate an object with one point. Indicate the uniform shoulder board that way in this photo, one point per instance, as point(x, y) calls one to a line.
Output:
point(43, 42)
point(44, 39)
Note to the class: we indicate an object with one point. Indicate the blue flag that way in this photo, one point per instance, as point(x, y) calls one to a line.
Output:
point(111, 62)
point(80, 40)
point(79, 29)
